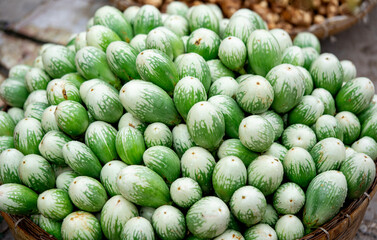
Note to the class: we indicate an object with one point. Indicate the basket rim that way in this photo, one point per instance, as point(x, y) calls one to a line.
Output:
point(24, 224)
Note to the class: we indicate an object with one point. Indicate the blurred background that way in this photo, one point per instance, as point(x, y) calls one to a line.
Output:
point(26, 24)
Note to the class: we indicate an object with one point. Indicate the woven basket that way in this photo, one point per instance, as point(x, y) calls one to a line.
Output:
point(329, 27)
point(343, 226)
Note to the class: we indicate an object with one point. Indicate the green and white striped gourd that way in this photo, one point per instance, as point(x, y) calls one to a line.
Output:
point(307, 39)
point(270, 217)
point(13, 92)
point(81, 159)
point(289, 87)
point(91, 63)
point(129, 120)
point(148, 102)
point(307, 111)
point(17, 114)
point(219, 70)
point(293, 55)
point(35, 110)
point(359, 170)
point(51, 146)
point(139, 42)
point(147, 18)
point(138, 228)
point(115, 214)
point(81, 225)
point(64, 180)
point(109, 174)
point(59, 90)
point(369, 127)
point(310, 55)
point(204, 42)
point(255, 94)
point(265, 173)
point(36, 172)
point(36, 79)
point(299, 135)
point(231, 112)
point(289, 198)
point(169, 223)
point(308, 80)
point(369, 111)
point(7, 124)
point(6, 142)
point(349, 70)
point(185, 192)
point(228, 175)
point(130, 13)
point(187, 92)
point(103, 103)
point(322, 205)
point(100, 138)
point(181, 139)
point(299, 166)
point(252, 17)
point(51, 226)
point(289, 227)
point(239, 27)
point(177, 24)
point(178, 47)
point(202, 16)
point(230, 234)
point(366, 145)
point(114, 19)
point(232, 53)
point(72, 118)
point(87, 194)
point(177, 8)
point(87, 85)
point(224, 86)
point(28, 133)
point(158, 134)
point(222, 26)
point(260, 231)
point(36, 96)
point(355, 96)
point(328, 126)
point(54, 204)
point(283, 38)
point(48, 121)
point(194, 65)
point(327, 73)
point(197, 163)
point(100, 37)
point(157, 39)
point(17, 199)
point(276, 150)
point(256, 133)
point(58, 61)
point(327, 100)
point(264, 51)
point(10, 159)
point(130, 145)
point(19, 71)
point(143, 186)
point(80, 41)
point(328, 154)
point(208, 217)
point(121, 58)
point(206, 125)
point(248, 205)
point(350, 125)
point(164, 161)
point(276, 122)
point(74, 78)
point(234, 147)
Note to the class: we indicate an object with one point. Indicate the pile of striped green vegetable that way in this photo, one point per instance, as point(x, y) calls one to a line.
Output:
point(185, 125)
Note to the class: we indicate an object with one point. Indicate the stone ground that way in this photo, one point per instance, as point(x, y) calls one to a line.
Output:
point(26, 24)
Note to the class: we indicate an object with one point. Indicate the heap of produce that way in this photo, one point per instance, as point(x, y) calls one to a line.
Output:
point(185, 126)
